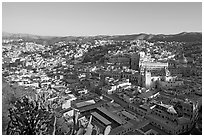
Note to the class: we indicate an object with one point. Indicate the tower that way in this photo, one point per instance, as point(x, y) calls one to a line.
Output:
point(134, 61)
point(147, 79)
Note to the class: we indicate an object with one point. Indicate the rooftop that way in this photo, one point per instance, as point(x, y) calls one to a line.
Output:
point(130, 116)
point(85, 103)
point(148, 127)
point(114, 117)
point(101, 118)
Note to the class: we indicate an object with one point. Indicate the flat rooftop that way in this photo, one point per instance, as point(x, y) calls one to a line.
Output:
point(101, 118)
point(85, 103)
point(129, 115)
point(151, 127)
point(114, 117)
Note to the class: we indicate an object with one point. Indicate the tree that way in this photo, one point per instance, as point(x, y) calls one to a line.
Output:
point(28, 118)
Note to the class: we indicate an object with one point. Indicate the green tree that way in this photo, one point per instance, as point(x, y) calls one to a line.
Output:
point(28, 118)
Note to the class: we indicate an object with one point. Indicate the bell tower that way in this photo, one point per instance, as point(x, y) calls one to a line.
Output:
point(147, 79)
point(134, 61)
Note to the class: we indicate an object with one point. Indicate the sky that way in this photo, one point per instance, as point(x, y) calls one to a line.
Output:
point(88, 19)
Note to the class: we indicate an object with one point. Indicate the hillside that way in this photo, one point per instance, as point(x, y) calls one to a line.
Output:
point(181, 37)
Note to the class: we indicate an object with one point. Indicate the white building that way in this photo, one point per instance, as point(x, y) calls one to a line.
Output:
point(169, 82)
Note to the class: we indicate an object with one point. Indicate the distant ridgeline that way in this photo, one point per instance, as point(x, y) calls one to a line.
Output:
point(181, 37)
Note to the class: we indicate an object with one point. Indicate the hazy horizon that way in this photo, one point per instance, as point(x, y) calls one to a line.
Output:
point(101, 18)
point(102, 35)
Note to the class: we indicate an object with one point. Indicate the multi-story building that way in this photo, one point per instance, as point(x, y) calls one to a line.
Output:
point(130, 60)
point(131, 75)
point(134, 61)
point(121, 59)
point(168, 82)
point(154, 65)
point(180, 67)
point(176, 118)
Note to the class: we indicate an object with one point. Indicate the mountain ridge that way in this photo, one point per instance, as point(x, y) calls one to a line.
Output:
point(183, 36)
